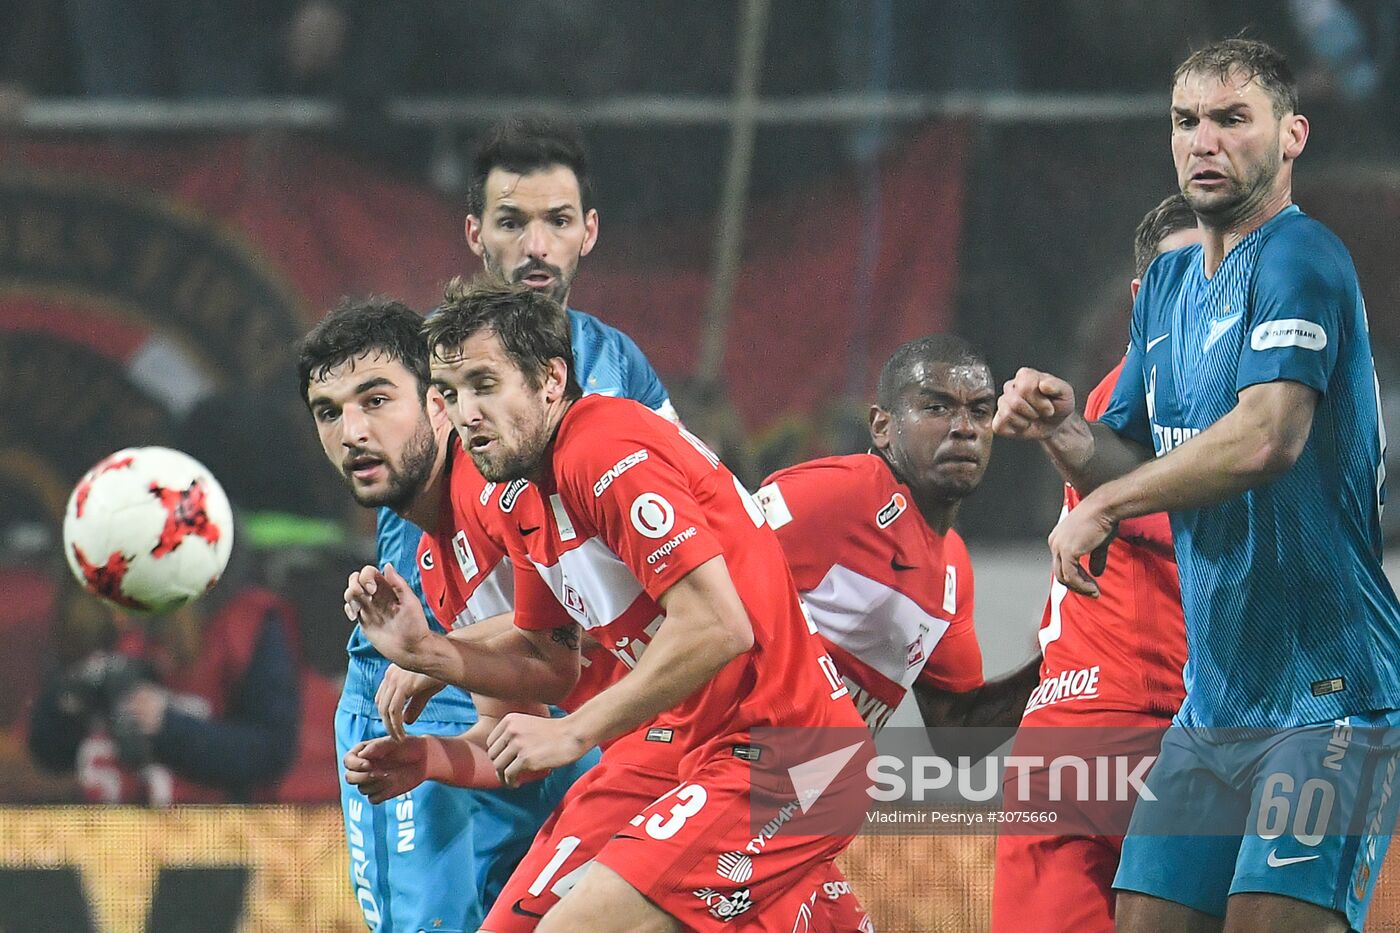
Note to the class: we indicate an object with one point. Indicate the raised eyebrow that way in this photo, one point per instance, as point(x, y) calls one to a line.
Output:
point(374, 383)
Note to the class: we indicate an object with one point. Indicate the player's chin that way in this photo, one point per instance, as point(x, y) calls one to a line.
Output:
point(955, 481)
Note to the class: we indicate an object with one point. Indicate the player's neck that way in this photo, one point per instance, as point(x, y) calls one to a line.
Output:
point(1218, 240)
point(426, 507)
point(553, 418)
point(938, 512)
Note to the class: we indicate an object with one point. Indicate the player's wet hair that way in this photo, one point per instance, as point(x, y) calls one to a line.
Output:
point(1171, 216)
point(532, 327)
point(902, 368)
point(1255, 61)
point(529, 144)
point(359, 326)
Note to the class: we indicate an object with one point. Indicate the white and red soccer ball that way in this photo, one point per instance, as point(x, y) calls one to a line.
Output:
point(148, 529)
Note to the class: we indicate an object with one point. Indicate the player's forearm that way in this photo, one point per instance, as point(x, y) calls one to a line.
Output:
point(681, 658)
point(459, 761)
point(1255, 443)
point(505, 665)
point(1090, 454)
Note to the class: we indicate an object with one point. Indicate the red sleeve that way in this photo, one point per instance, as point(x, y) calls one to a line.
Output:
point(536, 608)
point(955, 664)
point(650, 515)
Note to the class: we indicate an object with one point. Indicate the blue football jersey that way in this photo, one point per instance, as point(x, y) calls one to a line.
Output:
point(1289, 618)
point(607, 362)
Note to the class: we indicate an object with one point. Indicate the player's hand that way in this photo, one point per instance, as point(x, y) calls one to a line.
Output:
point(1032, 405)
point(401, 697)
point(522, 744)
point(1085, 530)
point(388, 611)
point(384, 768)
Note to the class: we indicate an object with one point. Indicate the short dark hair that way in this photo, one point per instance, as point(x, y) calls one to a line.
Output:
point(532, 327)
point(1255, 60)
point(529, 144)
point(359, 326)
point(898, 371)
point(1171, 216)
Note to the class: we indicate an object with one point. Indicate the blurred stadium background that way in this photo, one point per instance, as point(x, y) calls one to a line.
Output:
point(788, 188)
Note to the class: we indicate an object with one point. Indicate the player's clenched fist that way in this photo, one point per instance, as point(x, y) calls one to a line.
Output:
point(1032, 405)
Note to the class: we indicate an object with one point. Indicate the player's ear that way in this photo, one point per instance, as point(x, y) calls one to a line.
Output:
point(1295, 135)
point(879, 427)
point(473, 232)
point(556, 380)
point(436, 406)
point(590, 231)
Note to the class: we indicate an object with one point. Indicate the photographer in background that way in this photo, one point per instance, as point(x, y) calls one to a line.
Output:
point(199, 706)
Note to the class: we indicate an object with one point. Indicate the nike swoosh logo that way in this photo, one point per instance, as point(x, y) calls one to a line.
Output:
point(1276, 862)
point(517, 909)
point(896, 565)
point(1219, 329)
point(1154, 341)
point(528, 531)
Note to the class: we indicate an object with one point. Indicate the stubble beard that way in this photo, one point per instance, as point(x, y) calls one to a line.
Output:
point(559, 291)
point(406, 480)
point(518, 462)
point(1249, 194)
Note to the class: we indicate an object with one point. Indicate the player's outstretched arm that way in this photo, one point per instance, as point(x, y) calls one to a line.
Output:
point(1038, 406)
point(1256, 442)
point(706, 627)
point(403, 694)
point(507, 665)
point(384, 768)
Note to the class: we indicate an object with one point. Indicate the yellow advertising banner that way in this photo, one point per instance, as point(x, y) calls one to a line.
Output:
point(274, 869)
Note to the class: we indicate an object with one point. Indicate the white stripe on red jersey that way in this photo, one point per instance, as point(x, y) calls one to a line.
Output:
point(606, 552)
point(892, 597)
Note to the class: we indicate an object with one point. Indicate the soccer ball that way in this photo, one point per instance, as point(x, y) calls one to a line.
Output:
point(148, 529)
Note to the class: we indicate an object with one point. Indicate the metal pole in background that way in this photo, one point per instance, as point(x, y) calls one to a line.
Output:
point(734, 198)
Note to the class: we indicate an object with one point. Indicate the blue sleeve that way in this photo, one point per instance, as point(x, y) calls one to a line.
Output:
point(396, 542)
point(1303, 281)
point(1127, 414)
point(643, 384)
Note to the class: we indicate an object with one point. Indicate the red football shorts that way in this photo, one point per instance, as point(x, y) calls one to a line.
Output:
point(698, 854)
point(631, 774)
point(1048, 884)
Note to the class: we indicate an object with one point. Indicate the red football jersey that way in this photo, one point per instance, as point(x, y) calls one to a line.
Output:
point(1115, 660)
point(477, 581)
point(629, 504)
point(465, 576)
point(891, 597)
